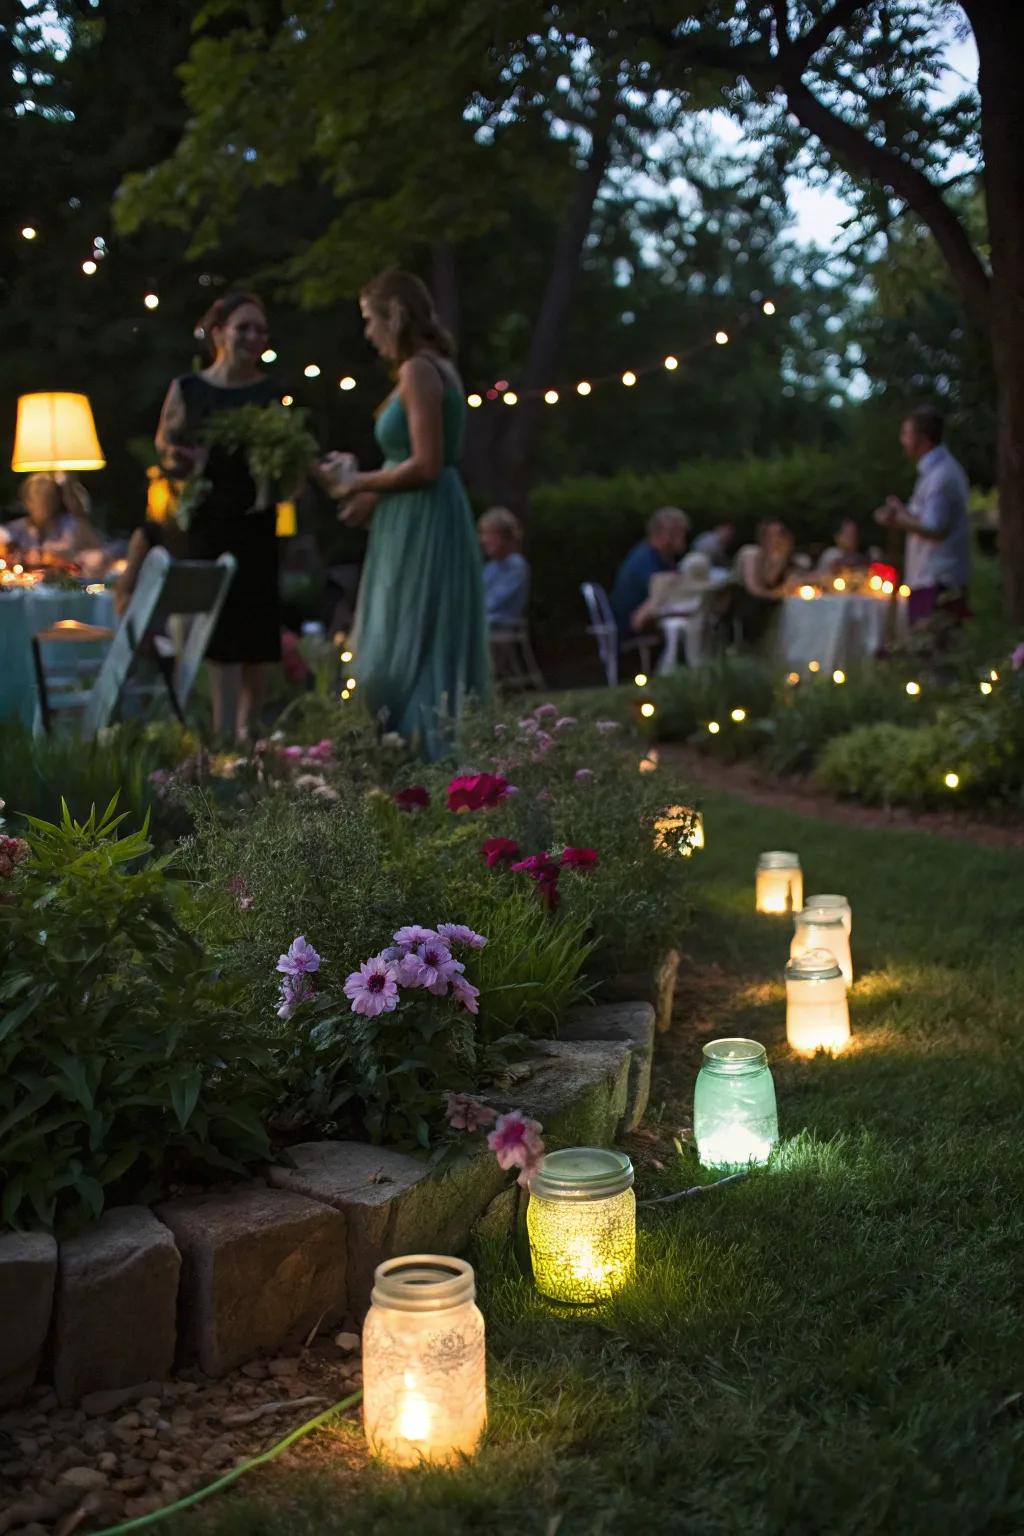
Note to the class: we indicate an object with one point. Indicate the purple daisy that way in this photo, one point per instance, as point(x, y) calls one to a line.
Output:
point(300, 959)
point(465, 993)
point(458, 933)
point(413, 934)
point(373, 988)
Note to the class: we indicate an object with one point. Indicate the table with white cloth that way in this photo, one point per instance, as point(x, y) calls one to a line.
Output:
point(24, 612)
point(837, 629)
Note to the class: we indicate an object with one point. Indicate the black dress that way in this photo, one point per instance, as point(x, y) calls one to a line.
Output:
point(249, 627)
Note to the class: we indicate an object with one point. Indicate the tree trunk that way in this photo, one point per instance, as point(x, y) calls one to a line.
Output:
point(999, 33)
point(444, 283)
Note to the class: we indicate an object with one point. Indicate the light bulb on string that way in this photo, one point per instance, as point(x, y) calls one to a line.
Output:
point(347, 383)
point(583, 388)
point(89, 267)
point(500, 385)
point(346, 657)
point(713, 727)
point(551, 397)
point(768, 308)
point(152, 301)
point(671, 363)
point(312, 370)
point(29, 232)
point(269, 356)
point(722, 337)
point(287, 399)
point(510, 397)
point(629, 378)
point(474, 401)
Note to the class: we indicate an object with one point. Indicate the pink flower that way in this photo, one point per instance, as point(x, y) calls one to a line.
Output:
point(477, 791)
point(606, 727)
point(499, 729)
point(292, 753)
point(373, 988)
point(294, 990)
point(583, 775)
point(300, 959)
point(545, 711)
point(431, 966)
point(464, 1113)
point(322, 752)
point(565, 723)
point(542, 868)
point(413, 934)
point(579, 858)
point(465, 993)
point(543, 742)
point(239, 889)
point(415, 798)
point(516, 1143)
point(499, 850)
point(1017, 659)
point(458, 933)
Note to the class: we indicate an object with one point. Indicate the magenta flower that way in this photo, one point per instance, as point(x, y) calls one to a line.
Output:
point(415, 798)
point(413, 934)
point(579, 858)
point(458, 933)
point(565, 723)
point(536, 865)
point(464, 1113)
point(606, 727)
point(477, 791)
point(436, 966)
point(465, 993)
point(1017, 659)
point(300, 959)
point(294, 990)
point(13, 851)
point(545, 711)
point(373, 988)
point(322, 752)
point(499, 850)
point(516, 1143)
point(583, 775)
point(292, 753)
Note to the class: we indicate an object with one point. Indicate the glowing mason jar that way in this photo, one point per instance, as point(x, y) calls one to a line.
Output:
point(780, 883)
point(681, 829)
point(735, 1121)
point(819, 928)
point(834, 904)
point(424, 1384)
point(582, 1224)
point(817, 1012)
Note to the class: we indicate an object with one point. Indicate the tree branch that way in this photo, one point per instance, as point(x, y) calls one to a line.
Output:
point(802, 49)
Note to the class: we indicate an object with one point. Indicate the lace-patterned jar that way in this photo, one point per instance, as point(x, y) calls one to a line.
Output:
point(424, 1374)
point(582, 1224)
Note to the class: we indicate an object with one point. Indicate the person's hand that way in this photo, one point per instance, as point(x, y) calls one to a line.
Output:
point(339, 471)
point(883, 516)
point(358, 509)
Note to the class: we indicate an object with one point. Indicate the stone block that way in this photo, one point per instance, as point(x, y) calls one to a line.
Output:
point(28, 1270)
point(114, 1318)
point(497, 1224)
point(577, 1089)
point(633, 1023)
point(656, 986)
point(261, 1268)
point(393, 1202)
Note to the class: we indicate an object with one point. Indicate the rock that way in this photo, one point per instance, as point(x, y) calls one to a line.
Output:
point(151, 1403)
point(130, 1485)
point(497, 1225)
point(632, 1022)
point(28, 1447)
point(348, 1343)
point(127, 1421)
point(283, 1367)
point(117, 1288)
point(85, 1478)
point(261, 1269)
point(256, 1369)
point(656, 986)
point(28, 1269)
point(96, 1404)
point(107, 1462)
point(576, 1089)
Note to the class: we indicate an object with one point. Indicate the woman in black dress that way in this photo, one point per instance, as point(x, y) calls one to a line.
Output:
point(248, 632)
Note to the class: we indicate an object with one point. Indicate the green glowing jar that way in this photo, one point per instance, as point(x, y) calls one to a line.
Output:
point(582, 1224)
point(735, 1120)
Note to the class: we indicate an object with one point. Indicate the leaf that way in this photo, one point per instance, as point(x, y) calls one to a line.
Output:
point(185, 1091)
point(73, 1070)
point(24, 1010)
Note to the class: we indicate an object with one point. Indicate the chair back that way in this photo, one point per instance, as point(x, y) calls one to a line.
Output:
point(604, 628)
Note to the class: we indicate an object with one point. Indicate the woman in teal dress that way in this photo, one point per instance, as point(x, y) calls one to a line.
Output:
point(420, 635)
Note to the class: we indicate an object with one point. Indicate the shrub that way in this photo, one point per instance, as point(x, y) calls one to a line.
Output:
point(889, 764)
point(123, 1053)
point(808, 717)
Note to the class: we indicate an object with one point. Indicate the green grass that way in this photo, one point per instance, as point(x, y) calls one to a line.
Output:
point(833, 1346)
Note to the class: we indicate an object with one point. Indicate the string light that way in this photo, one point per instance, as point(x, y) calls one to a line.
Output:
point(269, 356)
point(287, 399)
point(713, 727)
point(347, 383)
point(839, 585)
point(474, 402)
point(28, 233)
point(722, 337)
point(510, 397)
point(986, 687)
point(875, 583)
point(641, 679)
point(345, 693)
point(152, 301)
point(312, 370)
point(913, 689)
point(839, 676)
point(806, 593)
point(629, 378)
point(814, 666)
point(583, 388)
point(952, 781)
point(89, 267)
point(994, 676)
point(647, 710)
point(793, 679)
point(887, 588)
point(346, 657)
point(739, 715)
point(551, 397)
point(671, 363)
point(904, 590)
point(350, 682)
point(768, 307)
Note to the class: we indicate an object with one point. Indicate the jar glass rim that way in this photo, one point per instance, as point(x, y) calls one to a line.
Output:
point(581, 1173)
point(779, 859)
point(423, 1282)
point(735, 1054)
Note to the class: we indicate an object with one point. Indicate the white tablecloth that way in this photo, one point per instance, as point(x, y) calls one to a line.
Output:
point(23, 613)
point(836, 630)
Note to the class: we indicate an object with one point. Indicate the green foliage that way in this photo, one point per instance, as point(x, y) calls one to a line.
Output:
point(888, 764)
point(123, 1054)
point(809, 716)
point(276, 440)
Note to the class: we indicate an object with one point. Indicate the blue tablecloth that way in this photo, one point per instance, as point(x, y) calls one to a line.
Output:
point(23, 613)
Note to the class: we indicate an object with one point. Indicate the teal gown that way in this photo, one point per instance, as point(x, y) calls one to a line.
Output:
point(420, 635)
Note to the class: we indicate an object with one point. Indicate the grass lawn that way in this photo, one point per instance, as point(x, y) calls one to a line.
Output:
point(833, 1346)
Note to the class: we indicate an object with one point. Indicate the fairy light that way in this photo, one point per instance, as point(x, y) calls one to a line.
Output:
point(806, 593)
point(793, 678)
point(28, 233)
point(641, 680)
point(474, 402)
point(839, 585)
point(671, 363)
point(875, 583)
point(839, 676)
point(913, 689)
point(993, 676)
point(312, 370)
point(89, 267)
point(551, 397)
point(510, 397)
point(346, 657)
point(986, 686)
point(350, 682)
point(152, 301)
point(888, 588)
point(722, 338)
point(952, 781)
point(287, 399)
point(629, 378)
point(268, 356)
point(583, 388)
point(814, 666)
point(647, 710)
point(768, 308)
point(904, 590)
point(739, 715)
point(713, 727)
point(345, 693)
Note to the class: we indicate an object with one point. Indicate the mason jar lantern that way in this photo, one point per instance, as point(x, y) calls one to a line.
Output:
point(582, 1224)
point(817, 1011)
point(834, 903)
point(424, 1384)
point(780, 883)
point(735, 1120)
point(821, 928)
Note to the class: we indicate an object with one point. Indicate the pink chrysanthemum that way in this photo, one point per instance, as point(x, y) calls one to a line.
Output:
point(516, 1143)
point(373, 988)
point(300, 959)
point(458, 933)
point(465, 993)
point(414, 934)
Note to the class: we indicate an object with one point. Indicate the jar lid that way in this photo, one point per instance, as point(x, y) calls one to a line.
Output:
point(423, 1282)
point(821, 917)
point(582, 1173)
point(779, 860)
point(735, 1055)
point(813, 965)
point(827, 901)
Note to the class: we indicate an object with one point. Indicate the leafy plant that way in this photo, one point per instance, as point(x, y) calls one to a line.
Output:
point(276, 440)
point(889, 764)
point(123, 1052)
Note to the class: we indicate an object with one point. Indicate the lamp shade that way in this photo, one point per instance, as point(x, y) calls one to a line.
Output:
point(55, 431)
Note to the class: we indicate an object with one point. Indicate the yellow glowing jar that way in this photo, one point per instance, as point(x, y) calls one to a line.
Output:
point(834, 903)
point(735, 1120)
point(424, 1382)
point(582, 1224)
point(817, 1012)
point(822, 928)
point(680, 829)
point(780, 883)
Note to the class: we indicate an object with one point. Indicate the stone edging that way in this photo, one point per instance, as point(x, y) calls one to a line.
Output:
point(222, 1277)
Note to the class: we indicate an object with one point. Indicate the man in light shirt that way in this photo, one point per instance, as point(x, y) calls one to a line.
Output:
point(938, 559)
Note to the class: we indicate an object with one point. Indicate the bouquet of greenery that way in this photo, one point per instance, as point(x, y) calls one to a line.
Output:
point(278, 446)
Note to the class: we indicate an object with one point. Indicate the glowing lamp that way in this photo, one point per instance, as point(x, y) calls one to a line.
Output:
point(424, 1381)
point(55, 431)
point(268, 356)
point(89, 267)
point(793, 678)
point(287, 521)
point(287, 399)
point(875, 583)
point(474, 401)
point(647, 710)
point(312, 370)
point(822, 928)
point(671, 363)
point(347, 656)
point(887, 588)
point(641, 680)
point(582, 1224)
point(985, 686)
point(768, 307)
point(629, 378)
point(814, 666)
point(28, 233)
point(779, 885)
point(807, 593)
point(839, 585)
point(739, 715)
point(152, 301)
point(839, 677)
point(679, 829)
point(833, 903)
point(817, 1012)
point(914, 689)
point(722, 337)
point(347, 383)
point(510, 397)
point(735, 1120)
point(994, 675)
point(713, 727)
point(952, 781)
point(583, 388)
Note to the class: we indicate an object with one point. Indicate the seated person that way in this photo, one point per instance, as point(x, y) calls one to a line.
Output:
point(506, 571)
point(846, 553)
point(716, 543)
point(56, 520)
point(667, 531)
point(762, 570)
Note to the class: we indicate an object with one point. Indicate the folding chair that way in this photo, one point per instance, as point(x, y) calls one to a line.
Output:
point(512, 657)
point(606, 632)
